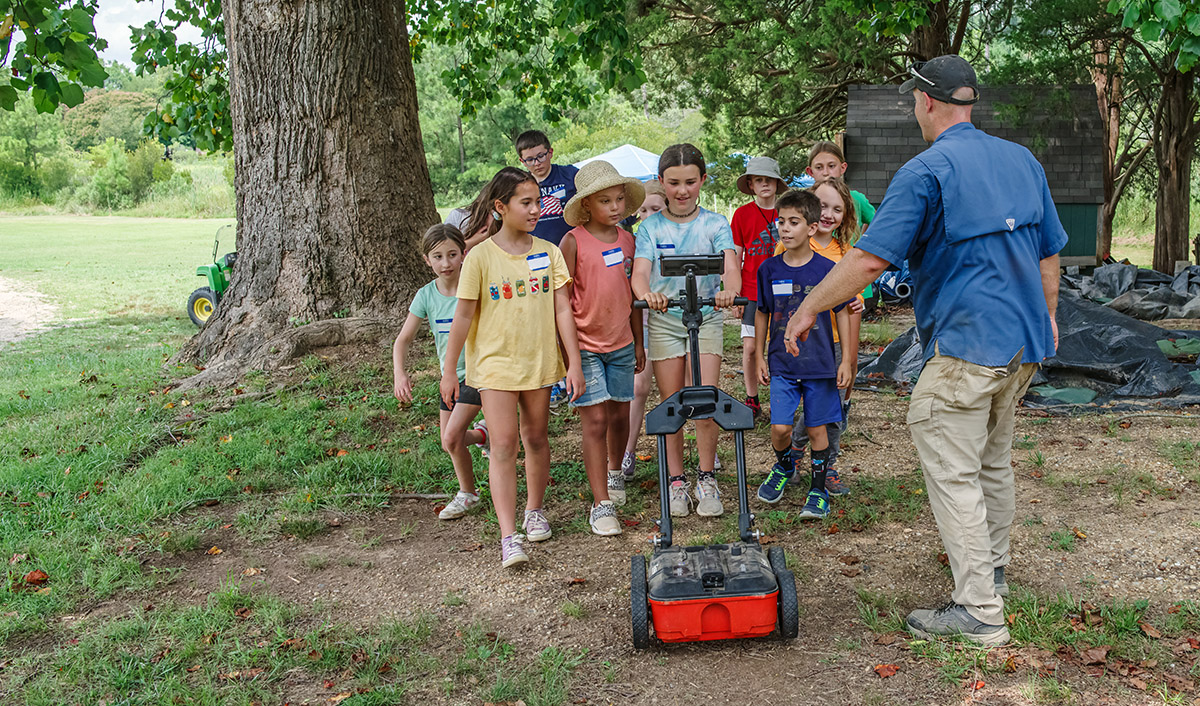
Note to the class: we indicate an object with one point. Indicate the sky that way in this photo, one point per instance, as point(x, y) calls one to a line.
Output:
point(113, 20)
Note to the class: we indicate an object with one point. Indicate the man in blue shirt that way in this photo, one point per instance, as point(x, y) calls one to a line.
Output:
point(974, 217)
point(556, 183)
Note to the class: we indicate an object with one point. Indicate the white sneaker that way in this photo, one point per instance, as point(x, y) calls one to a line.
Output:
point(616, 487)
point(681, 501)
point(604, 519)
point(459, 506)
point(708, 498)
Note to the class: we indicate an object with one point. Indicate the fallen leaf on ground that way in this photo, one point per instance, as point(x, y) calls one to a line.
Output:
point(943, 559)
point(767, 539)
point(226, 439)
point(976, 685)
point(886, 639)
point(37, 577)
point(1149, 631)
point(315, 655)
point(1137, 683)
point(576, 581)
point(631, 523)
point(244, 674)
point(251, 571)
point(886, 670)
point(340, 697)
point(243, 613)
point(833, 529)
point(329, 684)
point(644, 457)
point(17, 559)
point(1193, 643)
point(849, 560)
point(193, 668)
point(1180, 683)
point(215, 551)
point(1095, 655)
point(1079, 534)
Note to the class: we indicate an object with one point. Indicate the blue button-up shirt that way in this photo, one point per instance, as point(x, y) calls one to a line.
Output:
point(974, 218)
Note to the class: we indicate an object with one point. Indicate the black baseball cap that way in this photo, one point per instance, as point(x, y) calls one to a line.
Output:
point(940, 77)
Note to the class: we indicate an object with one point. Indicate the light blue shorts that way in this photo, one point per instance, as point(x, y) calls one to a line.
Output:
point(608, 376)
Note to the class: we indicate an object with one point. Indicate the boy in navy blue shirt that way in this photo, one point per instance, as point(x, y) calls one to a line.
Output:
point(556, 183)
point(812, 377)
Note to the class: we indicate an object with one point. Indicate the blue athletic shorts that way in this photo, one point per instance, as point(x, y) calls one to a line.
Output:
point(822, 401)
point(607, 376)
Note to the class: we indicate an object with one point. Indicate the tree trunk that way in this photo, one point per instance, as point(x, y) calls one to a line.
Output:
point(1107, 77)
point(933, 38)
point(332, 186)
point(1174, 148)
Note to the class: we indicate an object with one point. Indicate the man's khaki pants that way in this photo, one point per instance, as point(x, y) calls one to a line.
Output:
point(961, 418)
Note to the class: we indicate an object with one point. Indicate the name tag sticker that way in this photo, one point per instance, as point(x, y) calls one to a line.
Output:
point(668, 248)
point(781, 287)
point(613, 257)
point(538, 262)
point(442, 325)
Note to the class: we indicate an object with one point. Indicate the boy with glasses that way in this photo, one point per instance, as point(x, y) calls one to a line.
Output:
point(556, 183)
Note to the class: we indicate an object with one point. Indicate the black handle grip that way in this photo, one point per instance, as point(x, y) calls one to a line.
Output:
point(703, 301)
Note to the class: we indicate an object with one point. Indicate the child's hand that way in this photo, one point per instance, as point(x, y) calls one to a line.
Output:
point(639, 357)
point(657, 301)
point(855, 306)
point(403, 388)
point(575, 384)
point(845, 375)
point(764, 373)
point(724, 299)
point(449, 387)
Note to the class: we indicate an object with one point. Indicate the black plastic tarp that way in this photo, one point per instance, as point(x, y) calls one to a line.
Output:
point(1143, 294)
point(1100, 349)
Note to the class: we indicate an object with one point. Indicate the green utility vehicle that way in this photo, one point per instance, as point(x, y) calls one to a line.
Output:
point(204, 300)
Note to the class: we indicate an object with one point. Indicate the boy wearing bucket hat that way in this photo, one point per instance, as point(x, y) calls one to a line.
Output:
point(599, 255)
point(754, 238)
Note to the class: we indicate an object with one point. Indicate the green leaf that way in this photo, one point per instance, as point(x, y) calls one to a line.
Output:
point(1132, 13)
point(81, 21)
point(1193, 23)
point(1169, 10)
point(92, 74)
point(47, 82)
point(1151, 31)
point(72, 94)
point(8, 97)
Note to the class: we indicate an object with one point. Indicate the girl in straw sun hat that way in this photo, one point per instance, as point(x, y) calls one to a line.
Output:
point(599, 256)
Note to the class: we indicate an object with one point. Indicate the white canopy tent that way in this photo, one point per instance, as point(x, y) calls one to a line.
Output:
point(630, 161)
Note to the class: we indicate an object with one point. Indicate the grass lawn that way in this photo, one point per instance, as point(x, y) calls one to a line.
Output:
point(99, 266)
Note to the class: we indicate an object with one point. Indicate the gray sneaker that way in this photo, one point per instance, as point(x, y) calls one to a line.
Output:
point(681, 501)
point(953, 620)
point(616, 487)
point(708, 498)
point(1000, 581)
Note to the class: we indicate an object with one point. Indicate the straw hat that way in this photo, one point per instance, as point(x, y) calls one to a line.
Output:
point(761, 166)
point(595, 177)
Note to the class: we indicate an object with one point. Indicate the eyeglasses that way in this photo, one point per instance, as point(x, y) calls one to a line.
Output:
point(536, 159)
point(915, 71)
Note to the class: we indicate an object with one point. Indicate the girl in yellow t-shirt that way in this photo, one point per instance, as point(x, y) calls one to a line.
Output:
point(511, 294)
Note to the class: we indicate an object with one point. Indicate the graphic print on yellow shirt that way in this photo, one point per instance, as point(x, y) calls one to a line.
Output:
point(512, 343)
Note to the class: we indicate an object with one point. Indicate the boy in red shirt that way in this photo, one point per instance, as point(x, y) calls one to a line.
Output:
point(754, 239)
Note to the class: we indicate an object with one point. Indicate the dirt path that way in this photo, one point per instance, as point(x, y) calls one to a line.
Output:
point(23, 310)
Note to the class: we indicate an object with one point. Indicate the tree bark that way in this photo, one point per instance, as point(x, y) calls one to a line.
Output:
point(332, 185)
point(933, 38)
point(1174, 148)
point(1107, 76)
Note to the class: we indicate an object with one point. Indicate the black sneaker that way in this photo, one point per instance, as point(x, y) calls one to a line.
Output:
point(1000, 581)
point(952, 620)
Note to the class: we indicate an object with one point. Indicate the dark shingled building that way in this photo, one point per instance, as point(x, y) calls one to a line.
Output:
point(1060, 126)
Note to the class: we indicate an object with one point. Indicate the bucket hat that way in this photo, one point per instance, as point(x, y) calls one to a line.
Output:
point(595, 177)
point(761, 166)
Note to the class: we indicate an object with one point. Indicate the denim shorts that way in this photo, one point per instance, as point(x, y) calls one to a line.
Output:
point(607, 376)
point(821, 397)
